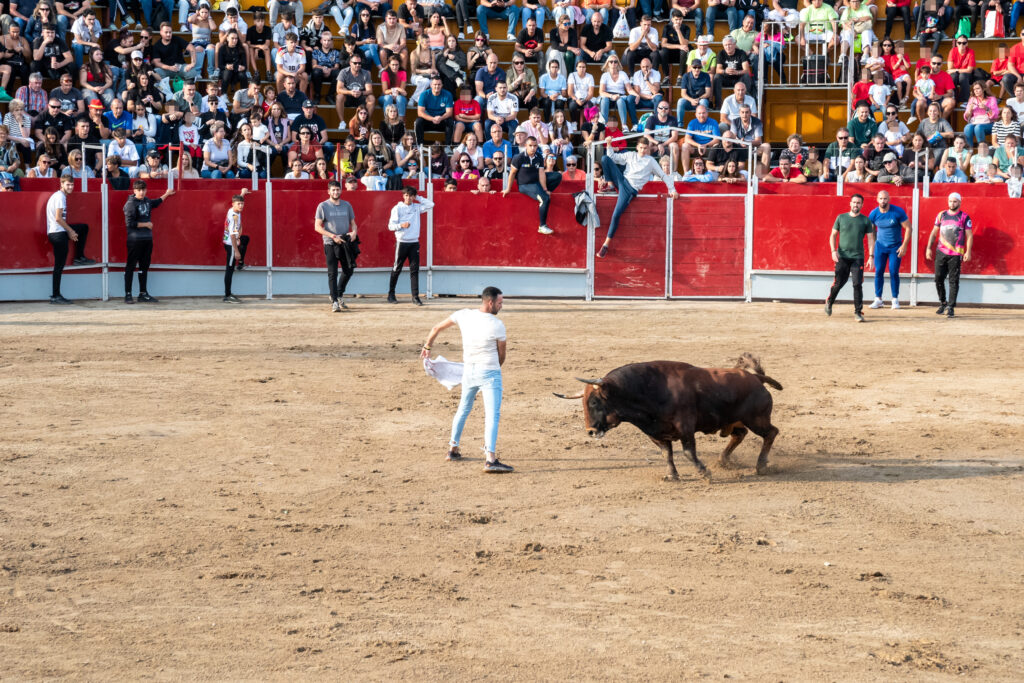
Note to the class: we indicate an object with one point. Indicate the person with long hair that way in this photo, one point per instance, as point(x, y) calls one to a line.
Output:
point(278, 131)
point(450, 64)
point(980, 114)
point(53, 147)
point(421, 67)
point(898, 67)
point(381, 150)
point(365, 33)
point(306, 150)
point(249, 157)
point(320, 170)
point(471, 147)
point(392, 128)
point(218, 155)
point(436, 31)
point(407, 151)
point(96, 78)
point(145, 93)
point(233, 62)
point(393, 82)
point(478, 54)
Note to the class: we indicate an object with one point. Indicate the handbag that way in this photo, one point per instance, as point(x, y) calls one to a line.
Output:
point(994, 24)
point(621, 29)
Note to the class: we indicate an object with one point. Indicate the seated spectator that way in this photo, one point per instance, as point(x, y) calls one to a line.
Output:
point(1008, 154)
point(436, 29)
point(126, 152)
point(943, 92)
point(732, 174)
point(731, 106)
point(1004, 127)
point(232, 62)
point(258, 42)
point(412, 170)
point(15, 65)
point(895, 172)
point(700, 173)
point(186, 170)
point(573, 173)
point(675, 41)
point(202, 27)
point(564, 44)
point(720, 155)
point(1015, 183)
point(393, 82)
point(856, 20)
point(818, 25)
point(962, 68)
point(19, 125)
point(434, 112)
point(116, 178)
point(250, 156)
point(561, 135)
point(50, 54)
point(613, 134)
point(326, 66)
point(291, 99)
point(451, 185)
point(580, 92)
point(354, 90)
point(497, 9)
point(32, 96)
point(381, 152)
point(467, 115)
point(146, 94)
point(10, 161)
point(839, 156)
point(168, 56)
point(44, 167)
point(522, 83)
point(643, 44)
point(980, 160)
point(861, 90)
point(306, 150)
point(502, 110)
point(472, 147)
point(154, 168)
point(373, 179)
point(991, 176)
point(981, 113)
point(497, 145)
point(348, 158)
point(880, 93)
point(617, 88)
point(421, 67)
point(440, 165)
point(931, 23)
point(483, 186)
point(218, 156)
point(553, 89)
point(296, 172)
point(647, 86)
point(858, 172)
point(785, 172)
point(477, 55)
point(76, 168)
point(666, 166)
point(52, 146)
point(596, 40)
point(949, 173)
point(919, 157)
point(959, 152)
point(498, 167)
point(812, 167)
point(1016, 103)
point(452, 66)
point(862, 126)
point(732, 67)
point(411, 18)
point(695, 90)
point(72, 103)
point(657, 130)
point(487, 78)
point(366, 41)
point(407, 150)
point(697, 140)
point(936, 130)
point(536, 128)
point(465, 169)
point(96, 78)
point(530, 43)
point(894, 131)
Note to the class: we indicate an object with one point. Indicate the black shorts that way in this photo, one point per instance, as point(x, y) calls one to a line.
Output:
point(354, 101)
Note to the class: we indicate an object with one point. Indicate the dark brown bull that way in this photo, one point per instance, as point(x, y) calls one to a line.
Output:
point(670, 401)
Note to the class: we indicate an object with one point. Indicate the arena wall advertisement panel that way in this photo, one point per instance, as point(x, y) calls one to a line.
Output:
point(707, 246)
point(635, 264)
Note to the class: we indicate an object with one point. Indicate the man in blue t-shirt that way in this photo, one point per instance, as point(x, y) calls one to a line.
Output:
point(486, 80)
point(497, 143)
point(697, 139)
point(892, 228)
point(434, 112)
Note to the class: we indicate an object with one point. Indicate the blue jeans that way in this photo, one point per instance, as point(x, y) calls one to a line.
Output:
point(651, 7)
point(888, 255)
point(683, 106)
point(1015, 13)
point(732, 15)
point(613, 174)
point(624, 104)
point(147, 11)
point(476, 379)
point(587, 13)
point(205, 54)
point(651, 104)
point(980, 132)
point(372, 52)
point(343, 16)
point(207, 173)
point(246, 173)
point(485, 13)
point(538, 14)
point(400, 102)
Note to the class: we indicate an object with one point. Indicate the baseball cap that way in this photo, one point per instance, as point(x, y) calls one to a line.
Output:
point(888, 157)
point(96, 104)
point(137, 54)
point(307, 103)
point(153, 153)
point(702, 41)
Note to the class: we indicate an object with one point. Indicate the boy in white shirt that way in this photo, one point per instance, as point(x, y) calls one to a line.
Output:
point(235, 245)
point(405, 223)
point(879, 94)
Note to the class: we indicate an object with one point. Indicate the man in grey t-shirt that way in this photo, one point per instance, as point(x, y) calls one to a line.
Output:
point(336, 222)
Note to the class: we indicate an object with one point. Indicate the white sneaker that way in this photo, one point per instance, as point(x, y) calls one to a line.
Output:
point(336, 307)
point(876, 304)
point(545, 230)
point(469, 29)
point(341, 126)
point(911, 120)
point(895, 304)
point(462, 36)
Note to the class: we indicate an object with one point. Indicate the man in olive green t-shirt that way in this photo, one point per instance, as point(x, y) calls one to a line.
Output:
point(851, 228)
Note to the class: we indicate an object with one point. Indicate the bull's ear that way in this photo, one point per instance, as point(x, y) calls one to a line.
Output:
point(591, 382)
point(579, 395)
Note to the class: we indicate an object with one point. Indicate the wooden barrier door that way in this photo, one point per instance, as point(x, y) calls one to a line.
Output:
point(635, 264)
point(707, 246)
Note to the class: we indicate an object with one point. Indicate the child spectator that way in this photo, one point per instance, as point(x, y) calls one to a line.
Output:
point(467, 115)
point(880, 93)
point(981, 160)
point(613, 132)
point(812, 168)
point(861, 91)
point(235, 245)
point(297, 173)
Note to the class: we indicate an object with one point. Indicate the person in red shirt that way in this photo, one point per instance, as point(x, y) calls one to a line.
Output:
point(612, 130)
point(945, 91)
point(467, 115)
point(897, 65)
point(785, 173)
point(963, 68)
point(1015, 65)
point(898, 8)
point(1000, 66)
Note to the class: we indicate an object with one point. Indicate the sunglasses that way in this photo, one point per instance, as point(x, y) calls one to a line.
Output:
point(305, 132)
point(54, 106)
point(479, 40)
point(571, 165)
point(891, 113)
point(518, 62)
point(842, 137)
point(961, 42)
point(936, 63)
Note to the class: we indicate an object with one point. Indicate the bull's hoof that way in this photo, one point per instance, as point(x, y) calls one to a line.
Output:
point(726, 464)
point(671, 477)
point(706, 474)
point(763, 469)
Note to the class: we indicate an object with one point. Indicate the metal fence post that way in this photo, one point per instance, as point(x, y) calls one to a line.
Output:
point(105, 241)
point(669, 216)
point(430, 243)
point(268, 188)
point(914, 246)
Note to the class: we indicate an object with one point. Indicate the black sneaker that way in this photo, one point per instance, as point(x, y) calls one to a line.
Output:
point(59, 300)
point(453, 455)
point(392, 299)
point(128, 299)
point(145, 298)
point(949, 312)
point(240, 265)
point(859, 317)
point(83, 261)
point(941, 309)
point(416, 300)
point(828, 308)
point(497, 467)
point(231, 299)
point(603, 251)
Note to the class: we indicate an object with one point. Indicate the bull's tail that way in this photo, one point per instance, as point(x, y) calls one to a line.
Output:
point(752, 364)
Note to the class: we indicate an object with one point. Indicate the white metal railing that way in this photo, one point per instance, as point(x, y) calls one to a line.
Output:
point(803, 56)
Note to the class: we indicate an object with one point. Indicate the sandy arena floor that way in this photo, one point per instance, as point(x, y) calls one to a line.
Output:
point(198, 491)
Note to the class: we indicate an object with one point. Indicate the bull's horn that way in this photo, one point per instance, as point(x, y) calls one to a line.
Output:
point(579, 395)
point(595, 382)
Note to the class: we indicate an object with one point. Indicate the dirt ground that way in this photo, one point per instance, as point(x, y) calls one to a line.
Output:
point(197, 491)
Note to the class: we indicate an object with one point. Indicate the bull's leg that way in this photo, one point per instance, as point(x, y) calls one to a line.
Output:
point(738, 434)
point(666, 448)
point(768, 432)
point(690, 449)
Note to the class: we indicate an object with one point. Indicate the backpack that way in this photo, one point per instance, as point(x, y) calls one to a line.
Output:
point(394, 182)
point(815, 71)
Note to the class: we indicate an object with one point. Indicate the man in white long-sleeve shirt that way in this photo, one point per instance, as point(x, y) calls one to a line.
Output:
point(405, 223)
point(630, 171)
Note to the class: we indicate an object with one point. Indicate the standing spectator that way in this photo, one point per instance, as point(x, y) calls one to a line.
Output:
point(981, 113)
point(850, 229)
point(335, 221)
point(534, 181)
point(405, 223)
point(483, 344)
point(61, 233)
point(502, 110)
point(168, 56)
point(630, 171)
point(139, 223)
point(354, 90)
point(434, 112)
point(955, 238)
point(892, 238)
point(497, 9)
point(235, 245)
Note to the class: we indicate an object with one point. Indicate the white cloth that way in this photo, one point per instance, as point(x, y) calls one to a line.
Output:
point(448, 373)
point(638, 169)
point(408, 213)
point(58, 201)
point(232, 225)
point(480, 332)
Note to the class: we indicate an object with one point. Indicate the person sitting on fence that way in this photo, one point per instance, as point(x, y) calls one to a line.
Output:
point(630, 171)
point(785, 172)
point(732, 67)
point(818, 25)
point(533, 180)
point(697, 140)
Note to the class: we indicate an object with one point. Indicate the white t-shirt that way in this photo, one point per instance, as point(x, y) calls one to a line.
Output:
point(292, 62)
point(126, 153)
point(57, 200)
point(480, 332)
point(643, 83)
point(232, 225)
point(636, 33)
point(506, 107)
point(580, 85)
point(613, 86)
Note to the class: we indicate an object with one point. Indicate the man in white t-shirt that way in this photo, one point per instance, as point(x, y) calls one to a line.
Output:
point(483, 353)
point(60, 233)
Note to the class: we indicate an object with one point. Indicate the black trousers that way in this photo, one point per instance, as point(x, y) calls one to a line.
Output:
point(962, 82)
point(424, 126)
point(846, 269)
point(232, 77)
point(669, 57)
point(890, 16)
point(631, 60)
point(318, 79)
point(728, 82)
point(139, 254)
point(335, 254)
point(406, 251)
point(229, 266)
point(946, 264)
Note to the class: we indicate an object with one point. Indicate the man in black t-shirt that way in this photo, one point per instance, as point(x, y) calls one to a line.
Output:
point(53, 116)
point(51, 56)
point(530, 42)
point(71, 100)
point(168, 56)
point(259, 38)
point(310, 119)
point(84, 133)
point(290, 98)
point(536, 183)
point(596, 40)
point(411, 17)
point(733, 67)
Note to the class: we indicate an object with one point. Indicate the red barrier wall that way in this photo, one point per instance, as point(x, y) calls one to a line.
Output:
point(707, 246)
point(24, 243)
point(635, 265)
point(997, 235)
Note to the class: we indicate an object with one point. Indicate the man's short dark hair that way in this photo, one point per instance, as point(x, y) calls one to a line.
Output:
point(857, 196)
point(238, 198)
point(139, 185)
point(490, 294)
point(333, 183)
point(409, 191)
